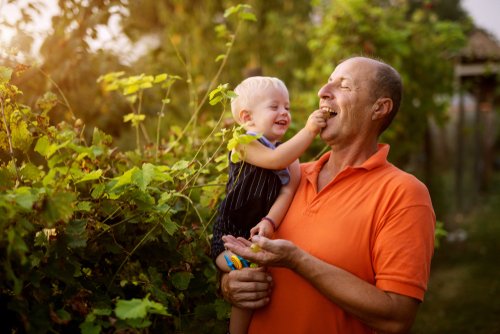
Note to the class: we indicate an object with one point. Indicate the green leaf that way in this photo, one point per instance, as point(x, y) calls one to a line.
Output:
point(102, 311)
point(6, 178)
point(21, 137)
point(101, 138)
point(235, 157)
point(231, 94)
point(140, 180)
point(180, 165)
point(215, 100)
point(247, 139)
point(24, 198)
point(167, 223)
point(125, 179)
point(222, 308)
point(47, 101)
point(30, 172)
point(230, 11)
point(42, 145)
point(248, 16)
point(76, 233)
point(181, 280)
point(146, 85)
point(5, 74)
point(160, 78)
point(110, 77)
point(134, 118)
point(90, 328)
point(63, 315)
point(58, 207)
point(131, 89)
point(97, 190)
point(85, 206)
point(146, 176)
point(138, 308)
point(213, 93)
point(90, 176)
point(232, 143)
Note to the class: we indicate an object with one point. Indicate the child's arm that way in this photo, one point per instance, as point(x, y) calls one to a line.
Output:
point(221, 262)
point(286, 153)
point(281, 204)
point(276, 213)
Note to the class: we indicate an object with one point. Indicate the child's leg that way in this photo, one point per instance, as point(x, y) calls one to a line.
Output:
point(240, 320)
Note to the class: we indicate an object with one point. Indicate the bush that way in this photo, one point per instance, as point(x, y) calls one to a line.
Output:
point(101, 241)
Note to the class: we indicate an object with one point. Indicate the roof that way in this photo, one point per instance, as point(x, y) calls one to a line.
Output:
point(481, 46)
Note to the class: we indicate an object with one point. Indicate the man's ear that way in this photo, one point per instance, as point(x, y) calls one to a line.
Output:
point(245, 116)
point(381, 108)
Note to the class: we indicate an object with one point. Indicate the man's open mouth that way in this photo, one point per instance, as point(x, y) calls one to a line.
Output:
point(328, 112)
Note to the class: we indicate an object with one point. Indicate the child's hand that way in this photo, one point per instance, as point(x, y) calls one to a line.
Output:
point(263, 228)
point(316, 121)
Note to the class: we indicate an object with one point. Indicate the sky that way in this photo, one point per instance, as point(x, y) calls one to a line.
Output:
point(485, 13)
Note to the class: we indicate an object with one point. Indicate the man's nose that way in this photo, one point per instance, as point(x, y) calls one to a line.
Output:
point(324, 92)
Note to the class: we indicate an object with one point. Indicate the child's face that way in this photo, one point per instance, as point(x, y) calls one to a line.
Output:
point(271, 114)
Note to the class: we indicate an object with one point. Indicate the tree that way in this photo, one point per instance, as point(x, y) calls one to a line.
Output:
point(419, 45)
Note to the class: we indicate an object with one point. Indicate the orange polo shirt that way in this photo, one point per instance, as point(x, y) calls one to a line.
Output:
point(374, 221)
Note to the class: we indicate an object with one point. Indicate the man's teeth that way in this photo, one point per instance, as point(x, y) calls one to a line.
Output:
point(328, 110)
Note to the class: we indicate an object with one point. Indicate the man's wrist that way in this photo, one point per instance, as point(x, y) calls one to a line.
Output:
point(296, 258)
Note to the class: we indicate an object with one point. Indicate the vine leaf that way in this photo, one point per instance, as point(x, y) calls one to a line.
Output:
point(58, 206)
point(94, 175)
point(138, 308)
point(181, 279)
point(76, 233)
point(5, 74)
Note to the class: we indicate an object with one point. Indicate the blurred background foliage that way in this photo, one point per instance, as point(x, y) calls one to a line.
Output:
point(298, 41)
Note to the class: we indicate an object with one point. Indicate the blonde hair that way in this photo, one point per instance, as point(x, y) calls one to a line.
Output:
point(250, 89)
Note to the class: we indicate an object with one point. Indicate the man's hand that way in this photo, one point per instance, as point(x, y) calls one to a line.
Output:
point(273, 253)
point(247, 288)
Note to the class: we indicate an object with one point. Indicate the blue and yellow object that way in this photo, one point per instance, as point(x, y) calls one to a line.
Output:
point(236, 262)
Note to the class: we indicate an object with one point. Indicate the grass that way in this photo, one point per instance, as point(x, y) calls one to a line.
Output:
point(464, 289)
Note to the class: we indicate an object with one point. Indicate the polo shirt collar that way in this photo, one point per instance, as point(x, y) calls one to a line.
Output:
point(376, 160)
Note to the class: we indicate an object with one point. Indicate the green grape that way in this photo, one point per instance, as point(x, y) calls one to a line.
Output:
point(255, 248)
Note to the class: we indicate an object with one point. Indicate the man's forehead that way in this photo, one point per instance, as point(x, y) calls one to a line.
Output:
point(352, 69)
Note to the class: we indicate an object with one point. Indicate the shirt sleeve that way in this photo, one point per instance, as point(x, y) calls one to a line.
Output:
point(403, 250)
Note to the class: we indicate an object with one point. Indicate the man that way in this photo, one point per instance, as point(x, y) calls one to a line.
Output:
point(353, 253)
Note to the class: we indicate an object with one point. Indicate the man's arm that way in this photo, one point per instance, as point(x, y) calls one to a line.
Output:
point(383, 311)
